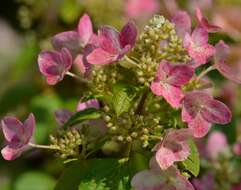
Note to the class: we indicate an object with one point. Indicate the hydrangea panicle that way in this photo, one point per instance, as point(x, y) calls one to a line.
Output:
point(17, 135)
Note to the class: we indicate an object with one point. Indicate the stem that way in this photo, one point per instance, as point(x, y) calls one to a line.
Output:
point(204, 72)
point(129, 60)
point(142, 102)
point(77, 77)
point(44, 146)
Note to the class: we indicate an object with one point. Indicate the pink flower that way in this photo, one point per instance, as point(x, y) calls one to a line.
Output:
point(113, 44)
point(237, 187)
point(200, 110)
point(17, 135)
point(182, 23)
point(75, 40)
point(174, 147)
point(54, 65)
point(156, 179)
point(205, 183)
point(198, 47)
point(203, 22)
point(169, 80)
point(63, 115)
point(230, 71)
point(216, 144)
point(138, 8)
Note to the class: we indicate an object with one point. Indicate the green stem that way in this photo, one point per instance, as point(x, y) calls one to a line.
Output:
point(77, 77)
point(204, 72)
point(52, 147)
point(129, 60)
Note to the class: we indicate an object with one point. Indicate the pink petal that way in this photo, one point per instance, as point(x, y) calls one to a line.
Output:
point(66, 59)
point(12, 128)
point(193, 102)
point(200, 36)
point(185, 115)
point(29, 126)
point(199, 126)
point(172, 94)
point(237, 149)
point(181, 182)
point(216, 144)
point(204, 22)
point(222, 51)
point(62, 116)
point(11, 153)
point(52, 80)
point(215, 111)
point(179, 135)
point(180, 75)
point(128, 35)
point(109, 40)
point(80, 63)
point(70, 40)
point(85, 29)
point(101, 57)
point(182, 23)
point(93, 103)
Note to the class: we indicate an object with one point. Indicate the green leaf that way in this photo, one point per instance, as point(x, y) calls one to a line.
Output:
point(83, 115)
point(106, 174)
point(92, 184)
point(192, 164)
point(34, 181)
point(123, 96)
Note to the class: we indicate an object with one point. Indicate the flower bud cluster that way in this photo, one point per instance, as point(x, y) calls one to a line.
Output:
point(158, 41)
point(104, 77)
point(67, 143)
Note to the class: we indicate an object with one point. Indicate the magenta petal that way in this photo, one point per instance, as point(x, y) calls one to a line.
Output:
point(85, 29)
point(62, 116)
point(12, 128)
point(182, 23)
point(70, 40)
point(180, 75)
point(11, 153)
point(29, 126)
point(93, 103)
point(101, 57)
point(193, 102)
point(200, 36)
point(204, 22)
point(128, 35)
point(199, 126)
point(216, 112)
point(109, 40)
point(66, 59)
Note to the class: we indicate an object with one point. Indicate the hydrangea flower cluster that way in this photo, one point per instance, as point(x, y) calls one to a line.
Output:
point(143, 94)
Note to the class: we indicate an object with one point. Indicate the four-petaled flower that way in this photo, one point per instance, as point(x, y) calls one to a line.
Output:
point(156, 179)
point(76, 40)
point(169, 80)
point(173, 148)
point(197, 46)
point(17, 135)
point(203, 22)
point(113, 45)
point(54, 65)
point(200, 110)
